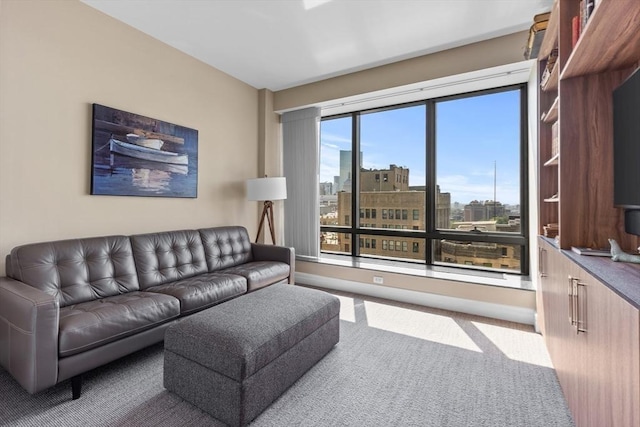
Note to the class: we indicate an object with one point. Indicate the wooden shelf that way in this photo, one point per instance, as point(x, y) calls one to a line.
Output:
point(605, 55)
point(552, 115)
point(586, 75)
point(550, 40)
point(552, 81)
point(552, 161)
point(609, 41)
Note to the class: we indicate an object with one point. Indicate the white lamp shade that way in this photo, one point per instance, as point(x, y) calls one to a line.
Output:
point(267, 188)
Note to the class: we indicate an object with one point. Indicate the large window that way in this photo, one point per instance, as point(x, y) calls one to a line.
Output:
point(441, 181)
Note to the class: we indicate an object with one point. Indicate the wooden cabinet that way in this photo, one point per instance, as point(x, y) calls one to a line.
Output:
point(576, 175)
point(593, 337)
point(591, 331)
point(612, 346)
point(560, 335)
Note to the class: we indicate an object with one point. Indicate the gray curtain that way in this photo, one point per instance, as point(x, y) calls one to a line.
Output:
point(300, 145)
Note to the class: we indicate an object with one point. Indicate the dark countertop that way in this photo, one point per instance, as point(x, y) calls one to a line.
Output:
point(623, 278)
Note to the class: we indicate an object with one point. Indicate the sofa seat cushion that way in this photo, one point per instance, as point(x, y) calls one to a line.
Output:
point(205, 290)
point(91, 324)
point(260, 273)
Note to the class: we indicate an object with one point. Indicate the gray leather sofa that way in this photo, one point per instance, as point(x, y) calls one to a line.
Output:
point(69, 306)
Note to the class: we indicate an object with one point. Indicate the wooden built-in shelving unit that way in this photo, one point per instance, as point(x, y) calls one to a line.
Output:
point(592, 333)
point(551, 115)
point(552, 161)
point(578, 96)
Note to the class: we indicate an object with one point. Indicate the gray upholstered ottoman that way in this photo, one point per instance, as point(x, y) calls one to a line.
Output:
point(235, 359)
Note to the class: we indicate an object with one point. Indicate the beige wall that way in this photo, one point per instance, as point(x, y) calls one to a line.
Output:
point(476, 56)
point(59, 57)
point(450, 288)
point(270, 157)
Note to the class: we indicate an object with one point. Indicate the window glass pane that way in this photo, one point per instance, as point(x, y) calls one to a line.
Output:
point(335, 242)
point(393, 248)
point(477, 181)
point(478, 163)
point(335, 141)
point(393, 165)
point(485, 255)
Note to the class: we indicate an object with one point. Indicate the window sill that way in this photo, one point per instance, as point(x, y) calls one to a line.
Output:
point(487, 278)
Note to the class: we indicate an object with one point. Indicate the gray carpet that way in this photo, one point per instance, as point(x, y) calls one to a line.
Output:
point(395, 365)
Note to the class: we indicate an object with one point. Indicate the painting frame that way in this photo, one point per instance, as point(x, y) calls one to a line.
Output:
point(135, 155)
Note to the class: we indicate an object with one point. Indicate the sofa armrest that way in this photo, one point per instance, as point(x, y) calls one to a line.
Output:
point(284, 254)
point(29, 320)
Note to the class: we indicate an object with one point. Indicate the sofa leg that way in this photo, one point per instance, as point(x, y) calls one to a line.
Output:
point(76, 386)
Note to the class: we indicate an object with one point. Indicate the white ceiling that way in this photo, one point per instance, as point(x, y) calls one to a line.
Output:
point(277, 44)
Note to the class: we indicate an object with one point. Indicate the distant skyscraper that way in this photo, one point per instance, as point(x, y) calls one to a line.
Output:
point(345, 167)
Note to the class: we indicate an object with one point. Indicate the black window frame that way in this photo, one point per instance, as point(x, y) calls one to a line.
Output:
point(431, 234)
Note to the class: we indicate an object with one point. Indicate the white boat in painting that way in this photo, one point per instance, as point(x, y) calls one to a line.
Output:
point(144, 141)
point(146, 153)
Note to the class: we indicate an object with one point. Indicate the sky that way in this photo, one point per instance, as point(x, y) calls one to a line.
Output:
point(472, 134)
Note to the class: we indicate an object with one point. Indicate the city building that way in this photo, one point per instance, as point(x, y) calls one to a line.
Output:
point(326, 188)
point(492, 255)
point(393, 179)
point(387, 202)
point(480, 211)
point(346, 170)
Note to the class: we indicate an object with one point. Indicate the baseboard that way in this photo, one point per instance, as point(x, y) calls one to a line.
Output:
point(536, 324)
point(479, 308)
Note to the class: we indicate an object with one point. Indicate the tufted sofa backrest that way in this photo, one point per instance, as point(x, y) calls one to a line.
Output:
point(78, 270)
point(169, 256)
point(226, 247)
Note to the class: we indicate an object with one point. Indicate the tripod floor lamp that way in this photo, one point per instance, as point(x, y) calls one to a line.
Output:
point(267, 190)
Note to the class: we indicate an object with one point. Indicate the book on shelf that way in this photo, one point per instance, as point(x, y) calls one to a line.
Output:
point(551, 62)
point(545, 77)
point(578, 22)
point(536, 34)
point(575, 31)
point(587, 7)
point(591, 251)
point(550, 230)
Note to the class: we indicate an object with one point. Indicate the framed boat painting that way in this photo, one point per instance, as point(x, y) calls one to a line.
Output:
point(135, 155)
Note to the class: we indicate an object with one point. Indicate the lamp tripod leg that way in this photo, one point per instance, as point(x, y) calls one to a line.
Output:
point(264, 213)
point(270, 219)
point(267, 211)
